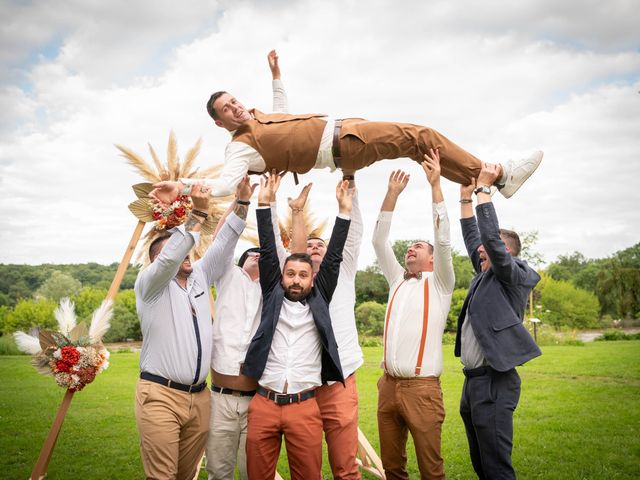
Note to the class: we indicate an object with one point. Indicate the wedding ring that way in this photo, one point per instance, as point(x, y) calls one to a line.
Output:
point(203, 190)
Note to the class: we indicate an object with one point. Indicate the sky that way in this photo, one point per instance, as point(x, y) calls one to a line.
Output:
point(501, 79)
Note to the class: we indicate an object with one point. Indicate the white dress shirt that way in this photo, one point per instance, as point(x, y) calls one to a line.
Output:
point(404, 331)
point(169, 340)
point(342, 306)
point(295, 356)
point(238, 308)
point(240, 158)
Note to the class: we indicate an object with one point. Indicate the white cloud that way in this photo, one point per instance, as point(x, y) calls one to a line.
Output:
point(498, 81)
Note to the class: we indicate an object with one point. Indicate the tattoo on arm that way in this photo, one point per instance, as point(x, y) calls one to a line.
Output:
point(190, 223)
point(241, 211)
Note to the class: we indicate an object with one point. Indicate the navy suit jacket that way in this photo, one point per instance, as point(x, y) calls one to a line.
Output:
point(318, 300)
point(497, 298)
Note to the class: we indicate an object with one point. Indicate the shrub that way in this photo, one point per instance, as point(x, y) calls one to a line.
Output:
point(614, 335)
point(562, 303)
point(29, 314)
point(370, 318)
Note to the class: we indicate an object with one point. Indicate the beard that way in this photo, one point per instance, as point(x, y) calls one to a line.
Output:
point(295, 293)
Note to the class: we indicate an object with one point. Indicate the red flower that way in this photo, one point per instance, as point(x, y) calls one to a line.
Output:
point(180, 211)
point(157, 215)
point(62, 366)
point(70, 355)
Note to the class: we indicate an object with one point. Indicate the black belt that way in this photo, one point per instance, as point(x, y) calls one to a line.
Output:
point(480, 371)
point(286, 398)
point(235, 393)
point(335, 147)
point(171, 384)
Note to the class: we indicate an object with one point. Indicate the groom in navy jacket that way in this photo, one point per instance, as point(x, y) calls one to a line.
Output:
point(491, 338)
point(294, 349)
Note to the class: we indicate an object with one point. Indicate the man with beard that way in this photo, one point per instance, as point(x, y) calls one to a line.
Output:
point(491, 339)
point(294, 350)
point(172, 301)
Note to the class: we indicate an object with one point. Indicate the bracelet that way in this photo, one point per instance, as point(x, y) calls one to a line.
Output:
point(199, 213)
point(243, 202)
point(348, 177)
point(466, 200)
point(264, 204)
point(186, 190)
point(297, 210)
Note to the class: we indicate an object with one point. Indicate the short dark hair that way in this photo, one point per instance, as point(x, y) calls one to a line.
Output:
point(512, 239)
point(423, 241)
point(156, 245)
point(245, 254)
point(212, 99)
point(299, 257)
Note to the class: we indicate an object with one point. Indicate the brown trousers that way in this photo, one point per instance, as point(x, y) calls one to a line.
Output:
point(301, 426)
point(173, 427)
point(339, 410)
point(410, 405)
point(363, 142)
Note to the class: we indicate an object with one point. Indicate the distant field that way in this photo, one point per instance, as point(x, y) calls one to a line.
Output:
point(578, 418)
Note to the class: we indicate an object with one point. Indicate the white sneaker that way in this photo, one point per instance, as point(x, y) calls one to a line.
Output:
point(518, 171)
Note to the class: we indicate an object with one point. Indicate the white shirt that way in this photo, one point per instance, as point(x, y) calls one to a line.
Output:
point(342, 306)
point(238, 308)
point(169, 342)
point(295, 356)
point(240, 158)
point(404, 331)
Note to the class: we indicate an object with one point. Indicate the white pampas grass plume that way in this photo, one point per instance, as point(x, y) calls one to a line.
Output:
point(101, 321)
point(66, 316)
point(27, 343)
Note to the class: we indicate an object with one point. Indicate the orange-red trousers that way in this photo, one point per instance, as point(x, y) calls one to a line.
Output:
point(302, 429)
point(339, 410)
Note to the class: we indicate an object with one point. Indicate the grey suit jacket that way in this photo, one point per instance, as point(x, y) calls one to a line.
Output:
point(497, 298)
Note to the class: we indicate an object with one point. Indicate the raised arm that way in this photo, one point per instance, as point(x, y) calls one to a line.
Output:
point(470, 232)
point(219, 256)
point(443, 273)
point(389, 265)
point(351, 251)
point(298, 227)
point(326, 279)
point(153, 279)
point(280, 101)
point(270, 273)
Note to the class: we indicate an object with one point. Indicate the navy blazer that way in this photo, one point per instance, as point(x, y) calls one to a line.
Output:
point(497, 298)
point(272, 295)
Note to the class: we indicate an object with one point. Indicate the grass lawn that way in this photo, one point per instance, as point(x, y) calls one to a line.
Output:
point(578, 417)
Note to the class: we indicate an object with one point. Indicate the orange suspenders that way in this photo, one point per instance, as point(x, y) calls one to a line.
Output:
point(425, 324)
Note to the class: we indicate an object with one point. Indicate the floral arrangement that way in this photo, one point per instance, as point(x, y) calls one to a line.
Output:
point(74, 355)
point(175, 214)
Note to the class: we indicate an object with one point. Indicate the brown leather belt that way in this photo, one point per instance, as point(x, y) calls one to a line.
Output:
point(335, 147)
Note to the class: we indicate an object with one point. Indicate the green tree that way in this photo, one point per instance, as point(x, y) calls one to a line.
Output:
point(564, 304)
point(463, 270)
point(29, 314)
point(457, 300)
point(371, 286)
point(528, 250)
point(370, 318)
point(87, 300)
point(58, 285)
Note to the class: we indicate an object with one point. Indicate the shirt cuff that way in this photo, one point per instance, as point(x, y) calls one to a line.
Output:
point(236, 223)
point(344, 216)
point(385, 216)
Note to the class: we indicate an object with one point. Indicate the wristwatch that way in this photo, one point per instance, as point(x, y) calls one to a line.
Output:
point(483, 189)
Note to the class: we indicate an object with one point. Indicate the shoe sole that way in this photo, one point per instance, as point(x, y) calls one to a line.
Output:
point(527, 177)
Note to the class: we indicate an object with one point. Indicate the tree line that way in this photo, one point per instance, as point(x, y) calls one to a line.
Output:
point(574, 292)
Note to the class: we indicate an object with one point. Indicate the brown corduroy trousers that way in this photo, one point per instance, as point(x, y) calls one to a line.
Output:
point(363, 142)
point(410, 405)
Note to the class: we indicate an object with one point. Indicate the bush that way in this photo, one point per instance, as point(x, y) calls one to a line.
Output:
point(370, 318)
point(8, 346)
point(563, 304)
point(614, 335)
point(457, 300)
point(29, 314)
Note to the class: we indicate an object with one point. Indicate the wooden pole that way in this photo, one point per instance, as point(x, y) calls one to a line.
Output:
point(40, 470)
point(124, 263)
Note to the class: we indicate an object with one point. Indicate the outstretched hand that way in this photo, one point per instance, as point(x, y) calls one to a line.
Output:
point(301, 201)
point(165, 192)
point(466, 191)
point(431, 166)
point(489, 174)
point(245, 189)
point(269, 184)
point(397, 182)
point(200, 196)
point(344, 195)
point(272, 57)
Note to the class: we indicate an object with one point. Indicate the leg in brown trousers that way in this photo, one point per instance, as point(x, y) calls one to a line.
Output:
point(363, 142)
point(173, 427)
point(410, 405)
